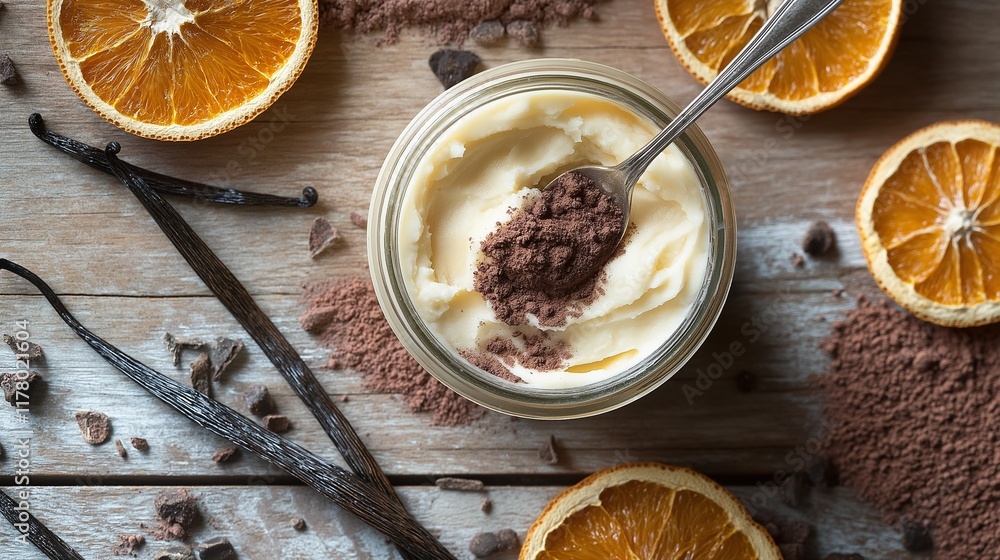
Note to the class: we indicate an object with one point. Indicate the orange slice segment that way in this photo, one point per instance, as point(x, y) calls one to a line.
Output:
point(827, 65)
point(181, 69)
point(929, 220)
point(646, 511)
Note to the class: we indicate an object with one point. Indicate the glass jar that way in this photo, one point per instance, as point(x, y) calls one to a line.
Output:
point(440, 359)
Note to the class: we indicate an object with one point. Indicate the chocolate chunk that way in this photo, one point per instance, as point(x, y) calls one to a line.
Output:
point(792, 551)
point(798, 261)
point(451, 66)
point(745, 381)
point(460, 484)
point(322, 236)
point(201, 374)
point(175, 553)
point(488, 33)
point(843, 556)
point(358, 220)
point(12, 385)
point(23, 348)
point(484, 544)
point(298, 523)
point(819, 240)
point(486, 505)
point(224, 455)
point(8, 72)
point(508, 539)
point(177, 512)
point(258, 400)
point(121, 448)
point(218, 548)
point(128, 544)
point(177, 345)
point(140, 444)
point(94, 426)
point(223, 352)
point(916, 536)
point(524, 32)
point(547, 452)
point(277, 423)
point(314, 320)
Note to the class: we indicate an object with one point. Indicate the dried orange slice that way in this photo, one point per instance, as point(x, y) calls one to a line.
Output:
point(181, 69)
point(830, 63)
point(929, 220)
point(646, 511)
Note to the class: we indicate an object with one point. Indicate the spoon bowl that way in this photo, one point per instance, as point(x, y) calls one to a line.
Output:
point(789, 22)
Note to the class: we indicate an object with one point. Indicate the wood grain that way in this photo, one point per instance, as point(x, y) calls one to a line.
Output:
point(257, 520)
point(92, 242)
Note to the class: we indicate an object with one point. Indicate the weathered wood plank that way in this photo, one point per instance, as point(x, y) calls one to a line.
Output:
point(256, 520)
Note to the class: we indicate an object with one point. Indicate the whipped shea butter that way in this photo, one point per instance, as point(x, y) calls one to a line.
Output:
point(486, 169)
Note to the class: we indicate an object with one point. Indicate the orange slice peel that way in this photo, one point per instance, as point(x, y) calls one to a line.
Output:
point(929, 221)
point(829, 64)
point(646, 511)
point(181, 69)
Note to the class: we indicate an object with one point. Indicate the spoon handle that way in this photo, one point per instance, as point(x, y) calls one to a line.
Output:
point(788, 23)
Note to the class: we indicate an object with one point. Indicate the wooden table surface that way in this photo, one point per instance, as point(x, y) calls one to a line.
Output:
point(93, 243)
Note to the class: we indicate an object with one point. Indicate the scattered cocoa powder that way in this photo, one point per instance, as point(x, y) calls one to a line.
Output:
point(177, 513)
point(448, 20)
point(128, 544)
point(925, 446)
point(94, 426)
point(548, 259)
point(322, 236)
point(797, 260)
point(359, 337)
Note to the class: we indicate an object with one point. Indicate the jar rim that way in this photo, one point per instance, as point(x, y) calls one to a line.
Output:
point(444, 363)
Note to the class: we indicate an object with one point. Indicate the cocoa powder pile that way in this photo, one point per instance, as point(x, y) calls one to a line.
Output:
point(915, 416)
point(548, 259)
point(448, 20)
point(346, 315)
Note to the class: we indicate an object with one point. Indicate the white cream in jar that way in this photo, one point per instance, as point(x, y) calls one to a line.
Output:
point(494, 159)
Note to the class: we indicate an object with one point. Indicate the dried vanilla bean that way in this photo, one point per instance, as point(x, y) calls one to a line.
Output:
point(364, 499)
point(235, 297)
point(94, 157)
point(38, 534)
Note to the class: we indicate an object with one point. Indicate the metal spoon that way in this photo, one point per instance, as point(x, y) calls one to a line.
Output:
point(789, 22)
